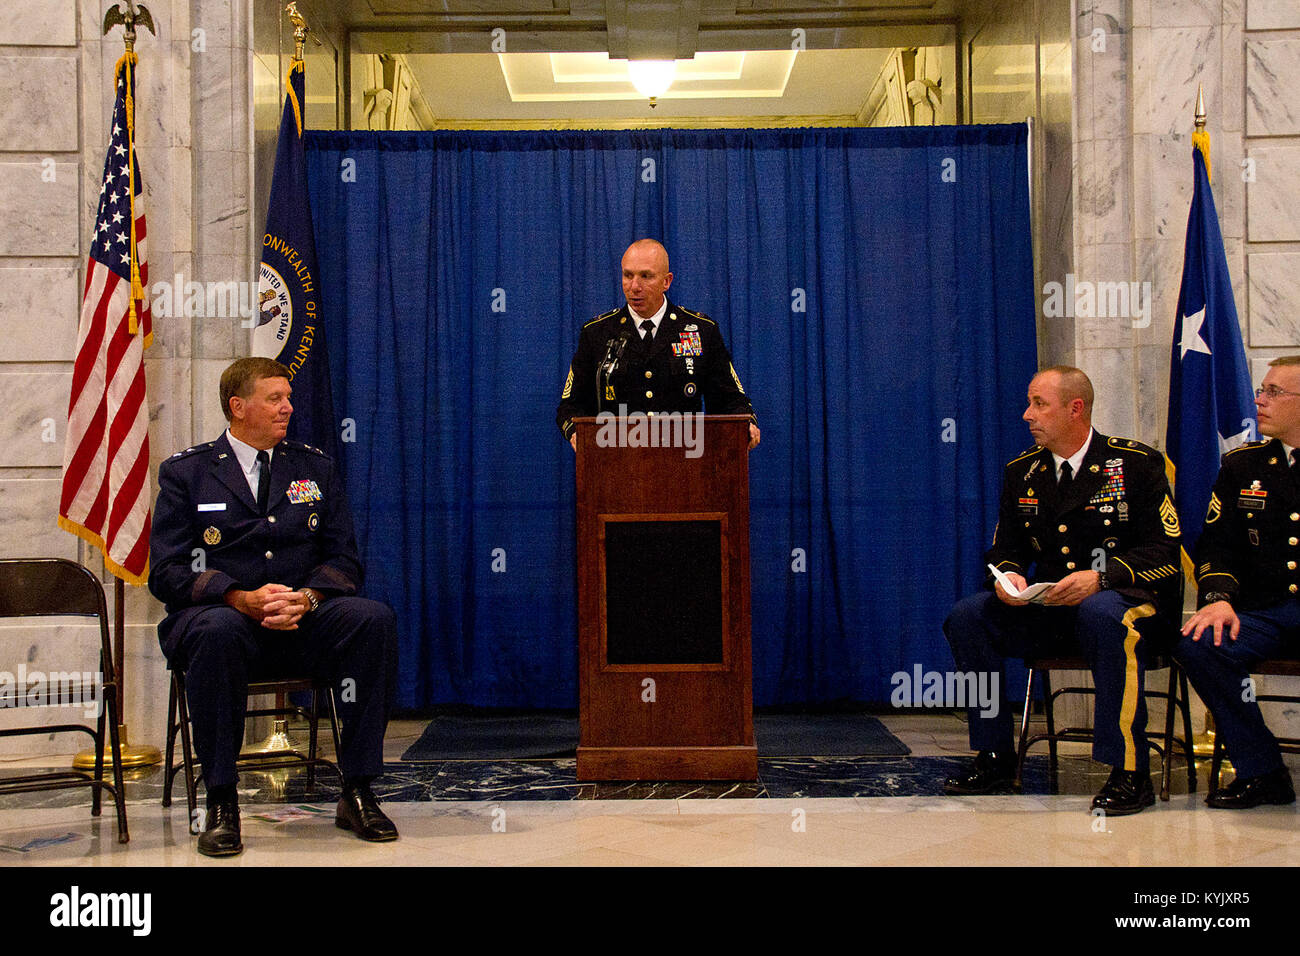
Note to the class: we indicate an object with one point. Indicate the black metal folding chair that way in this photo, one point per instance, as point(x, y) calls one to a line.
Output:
point(47, 587)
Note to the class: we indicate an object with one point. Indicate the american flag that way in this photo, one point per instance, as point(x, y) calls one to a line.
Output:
point(106, 489)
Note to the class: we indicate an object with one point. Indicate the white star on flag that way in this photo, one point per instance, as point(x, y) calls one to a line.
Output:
point(1192, 341)
point(1236, 441)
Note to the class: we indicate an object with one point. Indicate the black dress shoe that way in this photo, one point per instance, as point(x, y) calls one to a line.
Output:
point(1273, 788)
point(359, 812)
point(991, 771)
point(221, 836)
point(1125, 792)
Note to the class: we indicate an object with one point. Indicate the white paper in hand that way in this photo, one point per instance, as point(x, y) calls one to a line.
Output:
point(1033, 593)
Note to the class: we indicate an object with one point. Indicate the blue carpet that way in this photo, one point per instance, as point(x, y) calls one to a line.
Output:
point(550, 735)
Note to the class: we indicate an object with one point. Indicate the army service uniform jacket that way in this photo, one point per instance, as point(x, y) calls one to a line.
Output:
point(1118, 505)
point(686, 367)
point(209, 535)
point(1249, 548)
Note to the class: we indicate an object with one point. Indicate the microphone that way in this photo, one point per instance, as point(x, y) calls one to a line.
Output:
point(620, 345)
point(613, 352)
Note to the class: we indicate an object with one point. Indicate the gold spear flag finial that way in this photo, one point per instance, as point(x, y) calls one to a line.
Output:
point(1201, 136)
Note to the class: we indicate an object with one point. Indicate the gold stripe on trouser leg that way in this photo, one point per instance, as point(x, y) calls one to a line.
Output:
point(1129, 702)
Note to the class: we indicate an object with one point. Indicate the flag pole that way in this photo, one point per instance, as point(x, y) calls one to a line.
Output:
point(1203, 743)
point(278, 743)
point(131, 757)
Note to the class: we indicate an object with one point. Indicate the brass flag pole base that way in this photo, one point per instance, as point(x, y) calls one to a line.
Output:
point(1203, 744)
point(277, 744)
point(131, 756)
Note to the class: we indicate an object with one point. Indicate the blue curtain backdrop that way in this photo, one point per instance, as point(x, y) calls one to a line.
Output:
point(457, 269)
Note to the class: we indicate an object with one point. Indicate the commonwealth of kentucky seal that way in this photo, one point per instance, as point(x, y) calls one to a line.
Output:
point(275, 312)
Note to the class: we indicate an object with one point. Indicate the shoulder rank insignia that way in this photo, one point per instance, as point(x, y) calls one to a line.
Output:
point(1169, 518)
point(1216, 509)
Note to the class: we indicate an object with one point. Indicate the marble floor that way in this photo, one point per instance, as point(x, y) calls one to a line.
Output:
point(808, 812)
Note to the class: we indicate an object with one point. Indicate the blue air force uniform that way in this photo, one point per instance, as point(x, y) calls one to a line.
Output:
point(1249, 555)
point(686, 368)
point(1116, 516)
point(208, 537)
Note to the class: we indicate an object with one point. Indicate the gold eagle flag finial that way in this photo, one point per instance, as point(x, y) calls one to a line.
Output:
point(134, 14)
point(300, 31)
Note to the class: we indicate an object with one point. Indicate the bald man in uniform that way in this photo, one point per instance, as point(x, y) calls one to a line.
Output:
point(1093, 514)
point(674, 359)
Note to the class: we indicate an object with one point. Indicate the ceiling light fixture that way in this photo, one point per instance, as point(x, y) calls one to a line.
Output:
point(651, 77)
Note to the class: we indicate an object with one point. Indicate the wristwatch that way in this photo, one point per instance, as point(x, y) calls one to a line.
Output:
point(312, 599)
point(1212, 596)
point(1103, 580)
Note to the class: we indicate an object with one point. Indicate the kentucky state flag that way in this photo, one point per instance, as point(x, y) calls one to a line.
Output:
point(1211, 403)
point(288, 327)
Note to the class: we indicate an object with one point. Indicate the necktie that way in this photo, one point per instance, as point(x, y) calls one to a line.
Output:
point(648, 330)
point(1067, 475)
point(263, 480)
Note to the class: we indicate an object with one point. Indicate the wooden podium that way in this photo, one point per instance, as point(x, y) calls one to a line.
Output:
point(665, 689)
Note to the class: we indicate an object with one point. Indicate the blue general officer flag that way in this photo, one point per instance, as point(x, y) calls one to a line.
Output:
point(289, 328)
point(1211, 404)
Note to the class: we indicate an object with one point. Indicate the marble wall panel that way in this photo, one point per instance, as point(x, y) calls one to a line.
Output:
point(214, 113)
point(40, 217)
point(1152, 394)
point(34, 113)
point(1226, 154)
point(1111, 106)
point(32, 400)
point(1272, 66)
point(1104, 189)
point(170, 429)
point(39, 23)
point(1273, 199)
point(1274, 299)
point(1272, 15)
point(1112, 373)
point(1187, 13)
point(147, 681)
point(1258, 368)
point(1176, 61)
point(172, 329)
point(1229, 110)
point(31, 508)
point(39, 309)
point(209, 422)
point(215, 19)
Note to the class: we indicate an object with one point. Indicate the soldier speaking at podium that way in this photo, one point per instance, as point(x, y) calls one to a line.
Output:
point(651, 355)
point(252, 551)
point(1093, 514)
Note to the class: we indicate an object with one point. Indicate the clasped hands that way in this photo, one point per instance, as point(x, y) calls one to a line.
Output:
point(274, 606)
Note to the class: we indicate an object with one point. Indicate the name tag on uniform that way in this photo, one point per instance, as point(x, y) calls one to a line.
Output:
point(214, 506)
